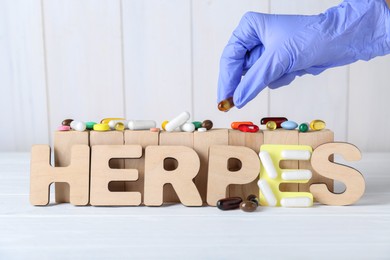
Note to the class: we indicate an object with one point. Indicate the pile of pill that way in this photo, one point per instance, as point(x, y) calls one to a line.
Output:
point(179, 123)
point(249, 205)
point(273, 123)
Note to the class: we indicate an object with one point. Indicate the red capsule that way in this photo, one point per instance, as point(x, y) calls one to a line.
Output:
point(229, 203)
point(277, 120)
point(248, 128)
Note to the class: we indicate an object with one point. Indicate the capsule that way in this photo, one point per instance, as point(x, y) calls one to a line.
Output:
point(141, 124)
point(296, 202)
point(235, 125)
point(304, 127)
point(197, 124)
point(163, 124)
point(289, 125)
point(271, 125)
point(226, 105)
point(253, 198)
point(90, 125)
point(208, 124)
point(67, 122)
point(119, 126)
point(317, 125)
point(113, 123)
point(101, 127)
point(229, 203)
point(177, 121)
point(248, 206)
point(107, 120)
point(277, 120)
point(248, 128)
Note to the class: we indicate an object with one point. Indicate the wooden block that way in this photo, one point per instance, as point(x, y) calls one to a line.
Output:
point(102, 175)
point(202, 142)
point(76, 174)
point(281, 136)
point(252, 141)
point(174, 138)
point(353, 179)
point(314, 139)
point(181, 178)
point(143, 138)
point(220, 177)
point(110, 138)
point(63, 142)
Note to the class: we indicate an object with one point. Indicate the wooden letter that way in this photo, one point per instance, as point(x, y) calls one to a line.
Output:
point(102, 175)
point(181, 178)
point(219, 175)
point(352, 178)
point(43, 174)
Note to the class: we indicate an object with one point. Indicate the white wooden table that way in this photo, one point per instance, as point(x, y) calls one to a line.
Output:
point(361, 231)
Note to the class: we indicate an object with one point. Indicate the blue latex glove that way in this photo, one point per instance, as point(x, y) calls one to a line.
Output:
point(271, 50)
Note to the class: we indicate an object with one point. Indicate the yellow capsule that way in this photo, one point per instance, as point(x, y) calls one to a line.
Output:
point(107, 120)
point(101, 127)
point(317, 125)
point(226, 105)
point(119, 126)
point(164, 124)
point(271, 125)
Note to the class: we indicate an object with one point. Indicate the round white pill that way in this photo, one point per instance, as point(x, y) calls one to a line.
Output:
point(202, 129)
point(79, 126)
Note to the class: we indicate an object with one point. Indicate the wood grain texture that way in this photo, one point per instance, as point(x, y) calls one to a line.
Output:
point(157, 58)
point(22, 75)
point(324, 96)
point(43, 174)
point(144, 139)
point(213, 23)
point(252, 141)
point(102, 175)
point(84, 59)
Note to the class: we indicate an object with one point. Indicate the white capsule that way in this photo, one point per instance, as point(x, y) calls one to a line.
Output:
point(188, 127)
point(141, 124)
point(113, 123)
point(202, 129)
point(78, 126)
point(296, 155)
point(267, 192)
point(268, 164)
point(177, 121)
point(298, 202)
point(296, 175)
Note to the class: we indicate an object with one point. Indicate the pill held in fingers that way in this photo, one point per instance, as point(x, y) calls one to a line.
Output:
point(226, 105)
point(229, 203)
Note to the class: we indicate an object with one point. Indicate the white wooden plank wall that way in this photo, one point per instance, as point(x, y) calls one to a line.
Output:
point(153, 59)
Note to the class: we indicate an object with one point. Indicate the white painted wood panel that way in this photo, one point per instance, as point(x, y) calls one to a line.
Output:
point(84, 59)
point(213, 23)
point(23, 106)
point(369, 106)
point(324, 96)
point(157, 58)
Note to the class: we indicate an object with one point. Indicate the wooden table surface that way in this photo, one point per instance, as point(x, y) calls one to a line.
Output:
point(361, 231)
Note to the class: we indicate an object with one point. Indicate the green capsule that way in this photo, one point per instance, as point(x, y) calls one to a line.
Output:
point(90, 125)
point(304, 127)
point(197, 124)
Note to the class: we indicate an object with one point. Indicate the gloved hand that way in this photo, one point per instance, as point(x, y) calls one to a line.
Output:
point(271, 50)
